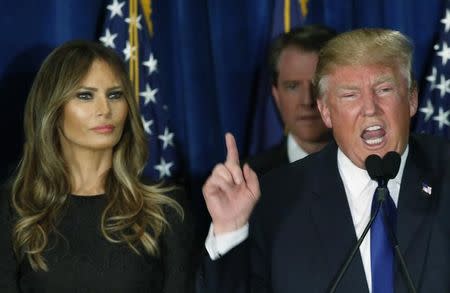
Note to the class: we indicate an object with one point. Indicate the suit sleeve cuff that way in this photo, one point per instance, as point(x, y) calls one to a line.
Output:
point(221, 244)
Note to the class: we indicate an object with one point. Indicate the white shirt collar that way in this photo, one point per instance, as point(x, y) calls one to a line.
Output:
point(356, 179)
point(294, 151)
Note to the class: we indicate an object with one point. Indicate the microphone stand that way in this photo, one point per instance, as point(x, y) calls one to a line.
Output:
point(380, 193)
point(399, 255)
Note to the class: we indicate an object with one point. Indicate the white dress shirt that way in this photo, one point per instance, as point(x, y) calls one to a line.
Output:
point(359, 189)
point(294, 151)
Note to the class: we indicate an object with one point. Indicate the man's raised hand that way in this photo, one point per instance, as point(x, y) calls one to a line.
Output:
point(231, 192)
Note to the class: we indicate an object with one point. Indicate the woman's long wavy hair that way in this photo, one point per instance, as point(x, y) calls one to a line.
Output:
point(134, 214)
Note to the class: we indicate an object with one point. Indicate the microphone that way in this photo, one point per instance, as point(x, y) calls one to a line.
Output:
point(380, 170)
point(374, 166)
point(391, 165)
point(376, 169)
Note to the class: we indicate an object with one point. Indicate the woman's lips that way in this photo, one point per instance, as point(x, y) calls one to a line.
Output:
point(104, 128)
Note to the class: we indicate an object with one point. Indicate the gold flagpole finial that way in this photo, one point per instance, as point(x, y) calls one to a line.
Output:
point(287, 16)
point(304, 7)
point(146, 6)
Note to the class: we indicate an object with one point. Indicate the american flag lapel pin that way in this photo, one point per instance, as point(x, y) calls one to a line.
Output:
point(426, 189)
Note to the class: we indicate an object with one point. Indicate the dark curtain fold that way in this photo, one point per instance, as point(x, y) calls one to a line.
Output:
point(416, 18)
point(211, 53)
point(29, 30)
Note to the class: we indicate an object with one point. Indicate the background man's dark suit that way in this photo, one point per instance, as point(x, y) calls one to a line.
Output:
point(271, 159)
point(302, 229)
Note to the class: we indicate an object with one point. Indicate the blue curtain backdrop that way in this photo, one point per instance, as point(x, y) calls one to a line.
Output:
point(211, 60)
point(29, 30)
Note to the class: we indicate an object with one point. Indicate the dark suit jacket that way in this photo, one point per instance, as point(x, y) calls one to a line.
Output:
point(301, 231)
point(271, 159)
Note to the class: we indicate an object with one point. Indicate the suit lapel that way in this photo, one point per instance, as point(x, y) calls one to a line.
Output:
point(283, 151)
point(332, 217)
point(414, 213)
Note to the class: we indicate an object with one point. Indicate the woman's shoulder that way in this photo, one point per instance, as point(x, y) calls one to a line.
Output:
point(5, 197)
point(177, 208)
point(6, 209)
point(178, 239)
point(169, 188)
point(179, 213)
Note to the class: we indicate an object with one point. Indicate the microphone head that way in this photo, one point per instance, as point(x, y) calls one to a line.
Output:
point(391, 164)
point(374, 166)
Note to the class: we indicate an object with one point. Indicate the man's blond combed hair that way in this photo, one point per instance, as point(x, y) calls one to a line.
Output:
point(364, 47)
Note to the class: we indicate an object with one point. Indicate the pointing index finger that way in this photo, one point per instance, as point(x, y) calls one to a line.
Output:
point(232, 151)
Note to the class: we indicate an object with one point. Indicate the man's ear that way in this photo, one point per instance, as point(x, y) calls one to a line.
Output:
point(324, 111)
point(276, 96)
point(413, 101)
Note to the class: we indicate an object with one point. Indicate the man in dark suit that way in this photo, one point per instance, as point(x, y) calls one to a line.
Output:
point(292, 60)
point(312, 212)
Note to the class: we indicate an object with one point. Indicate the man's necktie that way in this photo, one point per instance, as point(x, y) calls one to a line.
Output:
point(381, 249)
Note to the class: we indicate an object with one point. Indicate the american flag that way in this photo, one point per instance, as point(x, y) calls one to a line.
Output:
point(434, 110)
point(128, 30)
